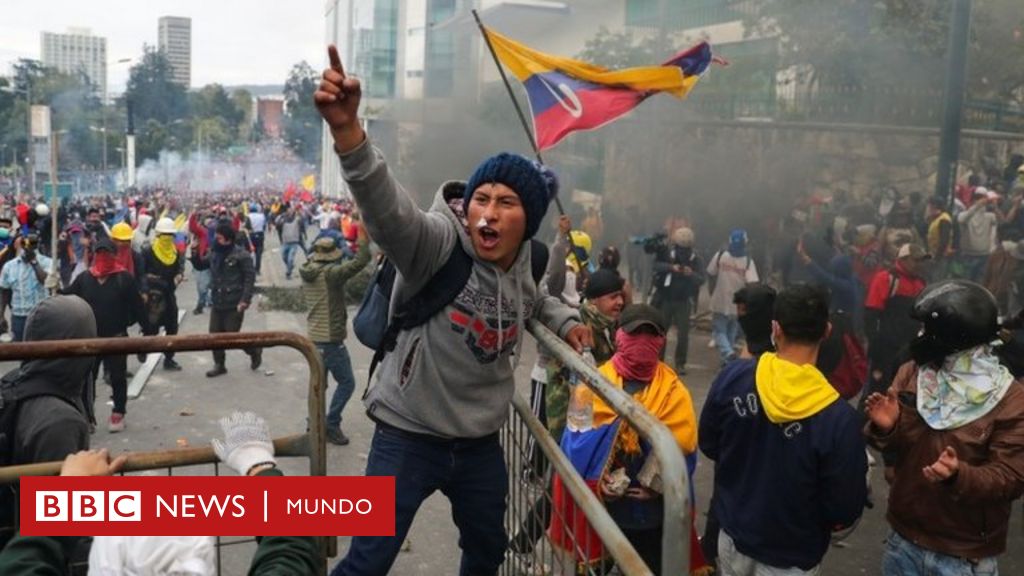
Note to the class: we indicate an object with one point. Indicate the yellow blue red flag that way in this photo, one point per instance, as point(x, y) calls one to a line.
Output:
point(567, 95)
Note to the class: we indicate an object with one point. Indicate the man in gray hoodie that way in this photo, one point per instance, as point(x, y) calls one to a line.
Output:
point(443, 394)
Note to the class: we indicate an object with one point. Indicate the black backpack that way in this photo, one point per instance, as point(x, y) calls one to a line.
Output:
point(371, 325)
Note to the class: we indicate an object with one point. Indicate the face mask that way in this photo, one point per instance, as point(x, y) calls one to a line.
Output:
point(926, 349)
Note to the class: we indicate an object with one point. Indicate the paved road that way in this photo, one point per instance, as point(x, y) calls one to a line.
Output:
point(177, 408)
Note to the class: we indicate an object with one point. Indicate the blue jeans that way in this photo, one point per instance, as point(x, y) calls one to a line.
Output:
point(202, 287)
point(18, 327)
point(904, 558)
point(288, 254)
point(724, 331)
point(471, 473)
point(338, 363)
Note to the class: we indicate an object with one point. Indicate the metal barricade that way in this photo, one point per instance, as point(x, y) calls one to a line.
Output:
point(311, 444)
point(530, 505)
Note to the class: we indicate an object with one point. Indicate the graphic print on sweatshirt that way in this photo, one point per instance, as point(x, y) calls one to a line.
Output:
point(475, 316)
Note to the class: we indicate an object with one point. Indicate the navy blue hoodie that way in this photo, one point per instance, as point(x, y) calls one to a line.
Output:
point(781, 489)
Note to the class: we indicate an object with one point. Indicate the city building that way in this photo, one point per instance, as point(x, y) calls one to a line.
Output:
point(175, 41)
point(270, 116)
point(76, 52)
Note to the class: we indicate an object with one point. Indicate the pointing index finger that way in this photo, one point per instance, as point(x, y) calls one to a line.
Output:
point(332, 54)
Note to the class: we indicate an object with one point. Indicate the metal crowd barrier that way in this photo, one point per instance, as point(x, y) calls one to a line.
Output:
point(530, 502)
point(311, 444)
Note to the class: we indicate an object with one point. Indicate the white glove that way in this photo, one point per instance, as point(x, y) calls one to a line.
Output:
point(246, 442)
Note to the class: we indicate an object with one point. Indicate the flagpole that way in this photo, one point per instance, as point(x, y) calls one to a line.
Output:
point(515, 101)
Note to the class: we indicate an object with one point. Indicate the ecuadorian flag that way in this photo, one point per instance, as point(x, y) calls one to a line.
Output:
point(567, 95)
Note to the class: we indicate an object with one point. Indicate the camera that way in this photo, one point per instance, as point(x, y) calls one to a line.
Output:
point(651, 243)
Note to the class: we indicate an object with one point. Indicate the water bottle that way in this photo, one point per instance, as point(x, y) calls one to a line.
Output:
point(580, 413)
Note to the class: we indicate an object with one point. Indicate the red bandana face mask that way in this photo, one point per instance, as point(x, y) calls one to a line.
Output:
point(636, 355)
point(104, 264)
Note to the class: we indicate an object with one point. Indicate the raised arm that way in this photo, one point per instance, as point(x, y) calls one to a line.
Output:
point(417, 243)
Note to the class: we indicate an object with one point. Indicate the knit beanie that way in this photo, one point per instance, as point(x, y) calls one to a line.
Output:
point(535, 184)
point(602, 283)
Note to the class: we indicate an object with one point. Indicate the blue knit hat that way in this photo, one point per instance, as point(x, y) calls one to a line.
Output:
point(535, 184)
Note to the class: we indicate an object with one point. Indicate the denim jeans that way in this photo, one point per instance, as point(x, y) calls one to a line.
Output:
point(202, 287)
point(471, 473)
point(724, 331)
point(338, 363)
point(257, 247)
point(18, 327)
point(288, 254)
point(904, 558)
point(732, 562)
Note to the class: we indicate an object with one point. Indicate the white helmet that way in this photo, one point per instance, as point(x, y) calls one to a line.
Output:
point(42, 209)
point(166, 226)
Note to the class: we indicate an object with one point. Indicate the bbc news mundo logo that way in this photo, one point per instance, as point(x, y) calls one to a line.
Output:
point(200, 506)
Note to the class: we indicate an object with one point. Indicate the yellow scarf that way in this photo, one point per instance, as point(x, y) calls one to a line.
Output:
point(790, 392)
point(165, 250)
point(665, 398)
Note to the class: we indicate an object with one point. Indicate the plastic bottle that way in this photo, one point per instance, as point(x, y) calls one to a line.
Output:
point(580, 413)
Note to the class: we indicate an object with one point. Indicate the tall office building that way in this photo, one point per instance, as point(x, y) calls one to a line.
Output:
point(77, 52)
point(175, 41)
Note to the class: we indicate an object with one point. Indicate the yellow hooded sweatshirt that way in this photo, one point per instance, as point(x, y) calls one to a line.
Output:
point(790, 392)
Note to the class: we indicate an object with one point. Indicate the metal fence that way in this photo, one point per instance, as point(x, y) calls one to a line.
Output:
point(311, 444)
point(533, 457)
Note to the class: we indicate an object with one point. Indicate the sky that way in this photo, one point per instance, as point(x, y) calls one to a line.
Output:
point(233, 41)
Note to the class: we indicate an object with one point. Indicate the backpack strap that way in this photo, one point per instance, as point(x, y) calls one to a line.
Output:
point(894, 284)
point(442, 289)
point(539, 256)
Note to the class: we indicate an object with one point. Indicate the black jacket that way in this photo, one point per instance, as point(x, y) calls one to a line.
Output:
point(232, 278)
point(681, 286)
point(116, 303)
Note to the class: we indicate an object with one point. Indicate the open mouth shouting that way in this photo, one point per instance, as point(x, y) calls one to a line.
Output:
point(489, 237)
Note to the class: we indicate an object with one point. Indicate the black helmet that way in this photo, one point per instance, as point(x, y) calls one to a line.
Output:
point(959, 314)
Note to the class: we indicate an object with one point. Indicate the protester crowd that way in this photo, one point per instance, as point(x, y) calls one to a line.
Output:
point(884, 327)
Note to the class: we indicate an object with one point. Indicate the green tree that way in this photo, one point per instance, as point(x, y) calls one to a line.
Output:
point(215, 118)
point(302, 121)
point(244, 102)
point(616, 50)
point(75, 112)
point(152, 92)
point(893, 43)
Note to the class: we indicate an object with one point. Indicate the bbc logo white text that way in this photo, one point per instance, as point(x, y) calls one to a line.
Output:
point(88, 506)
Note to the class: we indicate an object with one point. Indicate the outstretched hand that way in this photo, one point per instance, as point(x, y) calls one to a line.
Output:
point(883, 410)
point(944, 468)
point(338, 99)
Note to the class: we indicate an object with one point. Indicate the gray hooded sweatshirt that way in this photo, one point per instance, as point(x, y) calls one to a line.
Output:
point(452, 377)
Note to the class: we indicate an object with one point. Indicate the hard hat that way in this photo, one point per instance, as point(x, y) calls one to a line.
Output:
point(42, 209)
point(579, 253)
point(122, 231)
point(166, 226)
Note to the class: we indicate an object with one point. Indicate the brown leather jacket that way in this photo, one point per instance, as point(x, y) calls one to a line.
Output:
point(966, 517)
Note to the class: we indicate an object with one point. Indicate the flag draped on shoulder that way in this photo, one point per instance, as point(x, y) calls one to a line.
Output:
point(567, 95)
